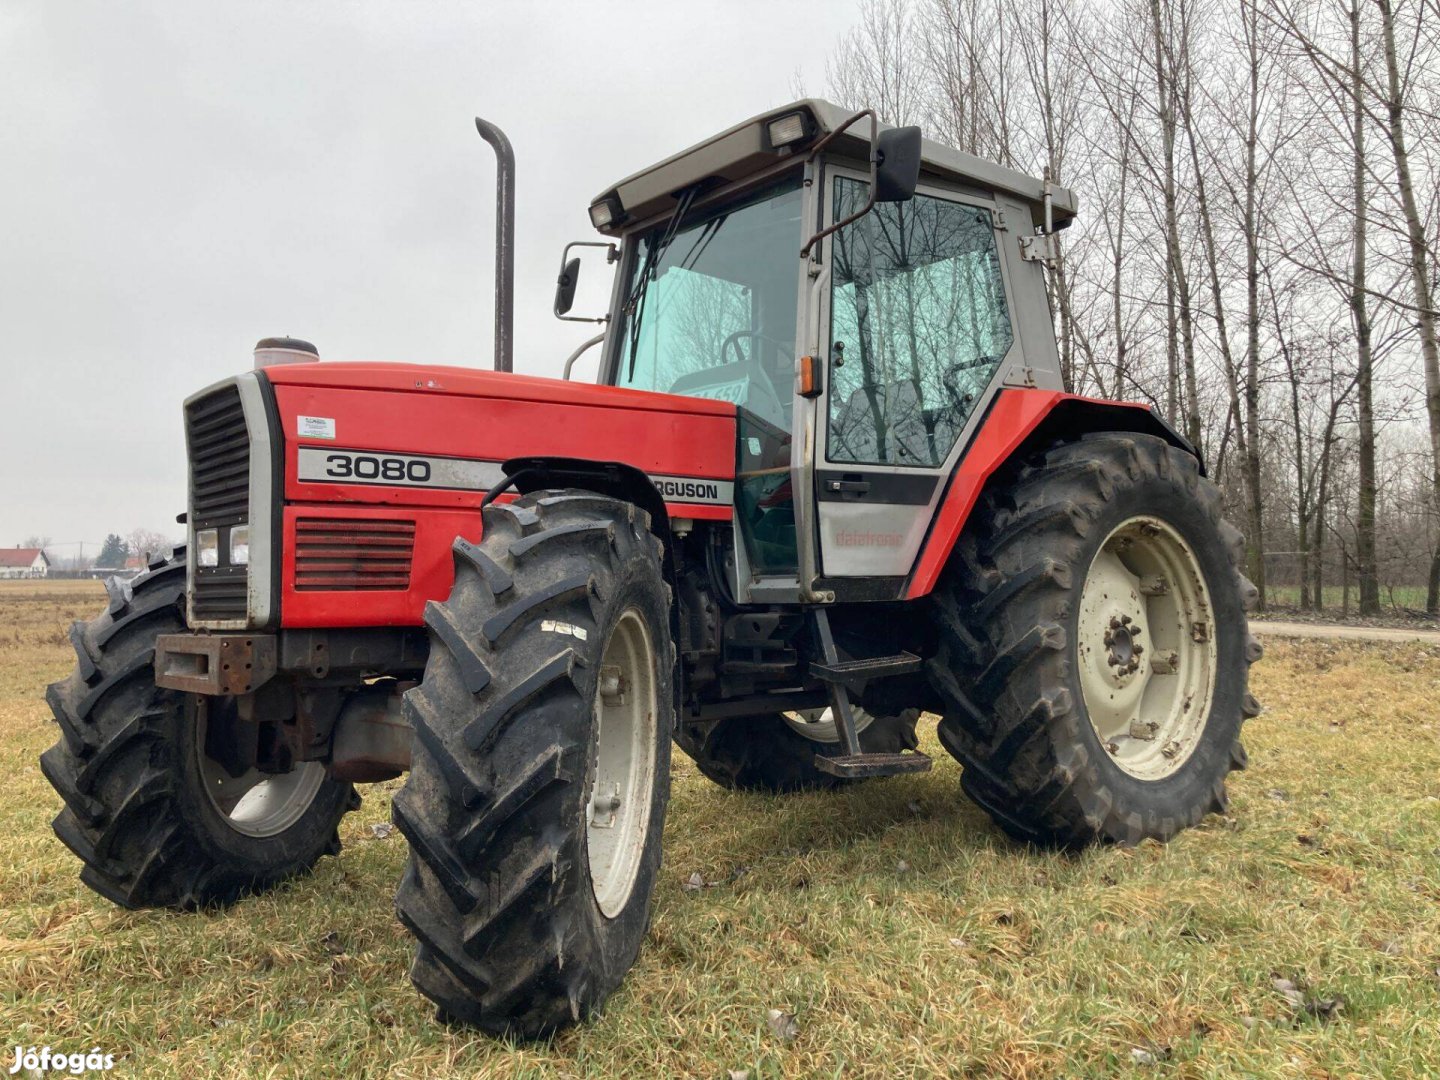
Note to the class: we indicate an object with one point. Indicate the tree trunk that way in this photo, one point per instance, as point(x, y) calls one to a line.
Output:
point(1302, 516)
point(1365, 511)
point(1212, 259)
point(1419, 274)
point(1322, 504)
point(1166, 116)
point(1255, 532)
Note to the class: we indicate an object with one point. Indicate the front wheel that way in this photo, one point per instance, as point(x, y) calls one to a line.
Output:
point(536, 798)
point(1094, 646)
point(155, 818)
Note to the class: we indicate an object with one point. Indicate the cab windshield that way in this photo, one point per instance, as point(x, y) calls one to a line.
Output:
point(711, 309)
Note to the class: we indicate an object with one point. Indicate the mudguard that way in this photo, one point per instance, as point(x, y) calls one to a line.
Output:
point(1018, 422)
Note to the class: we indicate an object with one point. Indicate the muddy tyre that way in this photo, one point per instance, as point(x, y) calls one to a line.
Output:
point(1094, 646)
point(775, 752)
point(536, 799)
point(156, 822)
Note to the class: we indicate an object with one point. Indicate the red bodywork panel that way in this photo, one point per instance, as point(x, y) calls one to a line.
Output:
point(1014, 416)
point(480, 416)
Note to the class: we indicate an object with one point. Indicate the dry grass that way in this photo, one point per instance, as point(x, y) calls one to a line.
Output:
point(981, 958)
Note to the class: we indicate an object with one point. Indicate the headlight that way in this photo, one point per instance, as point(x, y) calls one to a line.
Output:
point(207, 547)
point(788, 129)
point(607, 211)
point(240, 545)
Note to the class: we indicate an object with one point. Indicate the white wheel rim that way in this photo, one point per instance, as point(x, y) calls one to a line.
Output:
point(819, 724)
point(256, 803)
point(1146, 648)
point(617, 807)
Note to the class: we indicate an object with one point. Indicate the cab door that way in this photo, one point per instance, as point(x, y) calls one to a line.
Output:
point(915, 323)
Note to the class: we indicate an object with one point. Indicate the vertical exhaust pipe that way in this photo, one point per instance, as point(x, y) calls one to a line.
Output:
point(504, 243)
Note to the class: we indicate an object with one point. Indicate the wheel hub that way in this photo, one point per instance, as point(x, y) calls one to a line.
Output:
point(818, 725)
point(1124, 650)
point(1146, 655)
point(256, 803)
point(618, 808)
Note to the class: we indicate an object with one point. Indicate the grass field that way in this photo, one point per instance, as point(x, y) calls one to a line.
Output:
point(1405, 597)
point(903, 932)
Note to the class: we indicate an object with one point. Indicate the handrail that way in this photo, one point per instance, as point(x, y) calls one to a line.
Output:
point(570, 362)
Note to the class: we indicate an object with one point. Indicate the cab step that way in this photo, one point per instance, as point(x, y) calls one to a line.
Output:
point(860, 766)
point(873, 667)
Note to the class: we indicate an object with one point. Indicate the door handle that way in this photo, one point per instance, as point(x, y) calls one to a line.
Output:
point(854, 487)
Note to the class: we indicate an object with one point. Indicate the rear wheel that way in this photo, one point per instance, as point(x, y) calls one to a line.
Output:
point(775, 752)
point(536, 798)
point(1095, 650)
point(156, 820)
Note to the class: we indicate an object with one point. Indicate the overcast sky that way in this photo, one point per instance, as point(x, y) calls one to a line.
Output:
point(178, 180)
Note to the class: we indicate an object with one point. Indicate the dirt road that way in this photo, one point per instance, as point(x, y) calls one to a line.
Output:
point(1267, 628)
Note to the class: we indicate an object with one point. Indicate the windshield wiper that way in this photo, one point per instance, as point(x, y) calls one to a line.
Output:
point(635, 302)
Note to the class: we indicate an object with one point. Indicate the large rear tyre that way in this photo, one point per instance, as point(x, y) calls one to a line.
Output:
point(156, 821)
point(775, 752)
point(536, 797)
point(1094, 646)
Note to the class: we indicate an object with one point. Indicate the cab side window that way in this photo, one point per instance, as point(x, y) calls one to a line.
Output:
point(918, 325)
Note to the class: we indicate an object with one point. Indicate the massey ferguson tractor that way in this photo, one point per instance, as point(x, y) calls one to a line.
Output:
point(827, 479)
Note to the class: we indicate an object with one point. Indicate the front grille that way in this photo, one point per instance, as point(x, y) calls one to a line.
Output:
point(219, 458)
point(350, 554)
point(219, 446)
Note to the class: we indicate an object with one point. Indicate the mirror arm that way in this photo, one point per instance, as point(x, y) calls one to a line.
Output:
point(570, 362)
point(874, 165)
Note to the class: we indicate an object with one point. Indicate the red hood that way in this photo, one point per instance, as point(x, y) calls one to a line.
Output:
point(476, 382)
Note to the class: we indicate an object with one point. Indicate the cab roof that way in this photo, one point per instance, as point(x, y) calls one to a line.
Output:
point(744, 149)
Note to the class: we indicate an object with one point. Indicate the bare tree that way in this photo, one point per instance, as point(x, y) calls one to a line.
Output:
point(876, 66)
point(1260, 191)
point(146, 543)
point(1419, 263)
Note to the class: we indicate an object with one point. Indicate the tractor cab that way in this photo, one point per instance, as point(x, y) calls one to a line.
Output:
point(860, 295)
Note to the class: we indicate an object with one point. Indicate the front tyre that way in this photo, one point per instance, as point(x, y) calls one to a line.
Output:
point(1094, 647)
point(536, 798)
point(154, 819)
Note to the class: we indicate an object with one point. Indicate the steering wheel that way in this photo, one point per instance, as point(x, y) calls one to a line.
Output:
point(759, 376)
point(753, 335)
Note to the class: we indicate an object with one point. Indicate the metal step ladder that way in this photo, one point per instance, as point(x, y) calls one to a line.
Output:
point(842, 676)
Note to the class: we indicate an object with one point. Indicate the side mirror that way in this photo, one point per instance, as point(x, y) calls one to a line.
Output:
point(565, 286)
point(894, 169)
point(896, 152)
point(570, 277)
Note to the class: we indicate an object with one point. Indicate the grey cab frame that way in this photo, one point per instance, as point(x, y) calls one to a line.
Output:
point(827, 571)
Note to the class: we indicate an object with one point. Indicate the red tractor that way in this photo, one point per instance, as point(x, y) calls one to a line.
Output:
point(828, 479)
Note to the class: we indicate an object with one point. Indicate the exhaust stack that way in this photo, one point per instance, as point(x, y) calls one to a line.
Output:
point(504, 242)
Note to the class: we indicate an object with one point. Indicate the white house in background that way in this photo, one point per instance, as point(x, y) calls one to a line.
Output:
point(18, 562)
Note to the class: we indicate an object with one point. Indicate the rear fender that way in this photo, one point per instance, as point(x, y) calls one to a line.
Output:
point(1019, 423)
